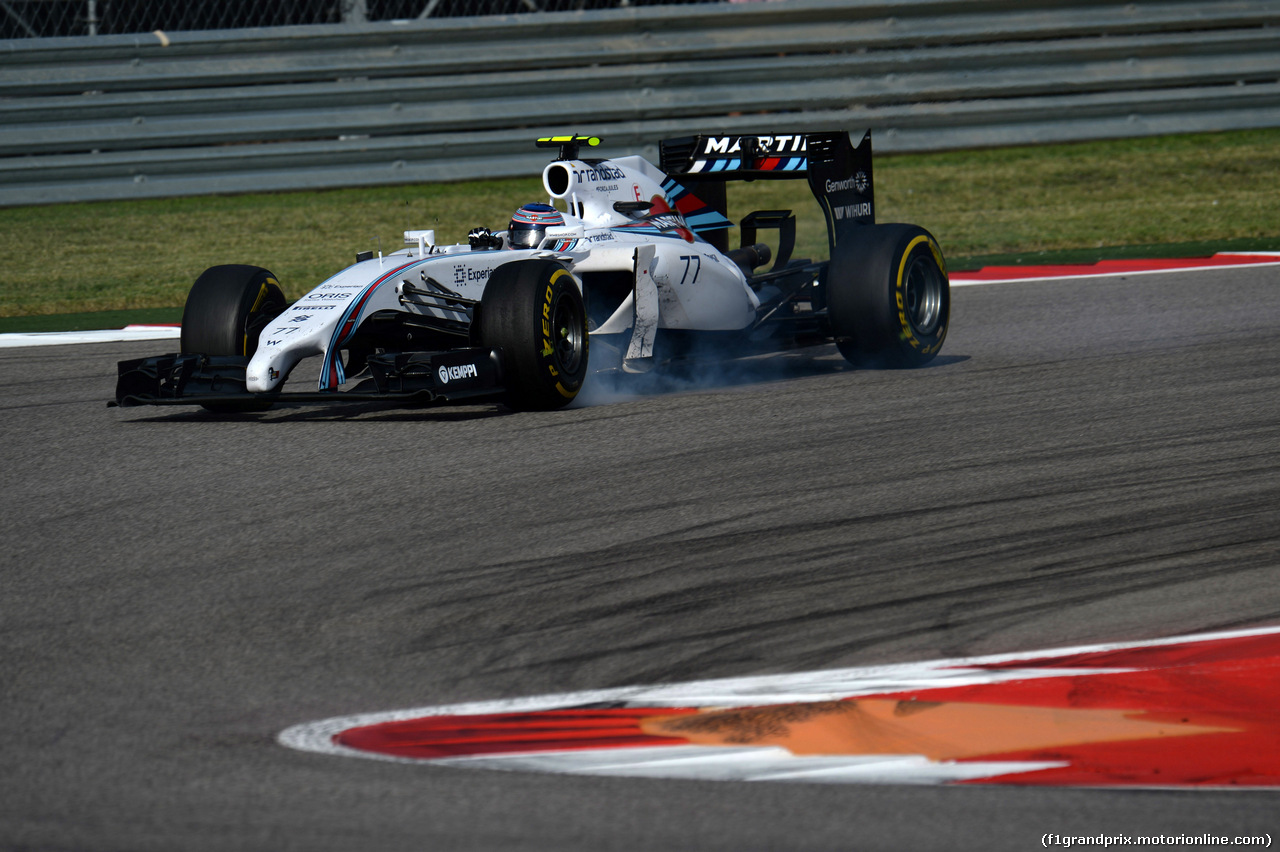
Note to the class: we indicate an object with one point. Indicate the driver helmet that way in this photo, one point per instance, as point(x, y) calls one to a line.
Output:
point(530, 224)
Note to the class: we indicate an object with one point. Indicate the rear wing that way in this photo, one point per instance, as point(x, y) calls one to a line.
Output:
point(839, 173)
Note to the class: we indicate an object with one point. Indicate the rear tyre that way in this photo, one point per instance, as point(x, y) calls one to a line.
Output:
point(888, 297)
point(226, 311)
point(533, 311)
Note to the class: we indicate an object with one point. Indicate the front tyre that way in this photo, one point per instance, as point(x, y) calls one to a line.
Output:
point(533, 311)
point(226, 311)
point(888, 297)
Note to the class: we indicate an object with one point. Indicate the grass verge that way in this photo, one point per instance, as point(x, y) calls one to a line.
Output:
point(1166, 196)
point(89, 321)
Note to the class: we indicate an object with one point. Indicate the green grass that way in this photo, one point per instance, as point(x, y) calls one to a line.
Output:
point(1062, 203)
point(111, 256)
point(90, 320)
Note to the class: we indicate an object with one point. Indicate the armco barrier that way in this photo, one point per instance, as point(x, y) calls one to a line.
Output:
point(346, 105)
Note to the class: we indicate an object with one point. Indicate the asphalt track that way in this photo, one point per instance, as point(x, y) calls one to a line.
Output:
point(1088, 461)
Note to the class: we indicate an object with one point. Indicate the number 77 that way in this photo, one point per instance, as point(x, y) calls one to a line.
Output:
point(694, 262)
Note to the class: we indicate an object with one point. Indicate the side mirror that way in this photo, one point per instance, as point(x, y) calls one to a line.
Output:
point(631, 207)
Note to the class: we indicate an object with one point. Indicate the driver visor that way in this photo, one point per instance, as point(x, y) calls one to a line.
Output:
point(524, 236)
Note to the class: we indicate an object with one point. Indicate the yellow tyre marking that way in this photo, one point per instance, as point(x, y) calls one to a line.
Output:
point(937, 255)
point(900, 289)
point(942, 264)
point(262, 295)
point(257, 303)
point(546, 343)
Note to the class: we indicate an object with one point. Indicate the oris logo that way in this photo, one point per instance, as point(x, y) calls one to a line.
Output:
point(466, 371)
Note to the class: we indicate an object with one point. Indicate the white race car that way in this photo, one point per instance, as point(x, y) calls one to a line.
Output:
point(627, 255)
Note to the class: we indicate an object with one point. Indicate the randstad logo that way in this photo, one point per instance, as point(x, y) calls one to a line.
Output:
point(466, 371)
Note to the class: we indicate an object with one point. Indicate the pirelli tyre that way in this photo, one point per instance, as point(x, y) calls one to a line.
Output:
point(533, 311)
point(888, 297)
point(226, 311)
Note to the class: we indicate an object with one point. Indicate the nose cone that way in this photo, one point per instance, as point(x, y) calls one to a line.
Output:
point(264, 373)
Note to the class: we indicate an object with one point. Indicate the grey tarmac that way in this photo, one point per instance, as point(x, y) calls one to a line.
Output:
point(1087, 461)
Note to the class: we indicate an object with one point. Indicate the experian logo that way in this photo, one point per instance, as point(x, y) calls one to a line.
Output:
point(466, 371)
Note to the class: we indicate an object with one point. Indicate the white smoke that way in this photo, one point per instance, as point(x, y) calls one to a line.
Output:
point(706, 368)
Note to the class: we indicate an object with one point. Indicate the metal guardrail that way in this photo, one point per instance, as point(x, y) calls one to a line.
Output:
point(326, 106)
point(52, 18)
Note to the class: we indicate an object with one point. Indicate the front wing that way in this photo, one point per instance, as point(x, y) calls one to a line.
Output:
point(418, 377)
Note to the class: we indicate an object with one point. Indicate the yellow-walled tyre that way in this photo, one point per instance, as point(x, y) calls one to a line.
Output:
point(888, 297)
point(533, 311)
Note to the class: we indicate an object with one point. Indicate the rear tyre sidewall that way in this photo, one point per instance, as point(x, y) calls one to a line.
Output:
point(225, 313)
point(888, 297)
point(533, 311)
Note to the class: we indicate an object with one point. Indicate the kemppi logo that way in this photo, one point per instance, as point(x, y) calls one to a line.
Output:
point(466, 371)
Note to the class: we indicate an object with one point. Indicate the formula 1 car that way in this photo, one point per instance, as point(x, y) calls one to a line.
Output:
point(630, 257)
